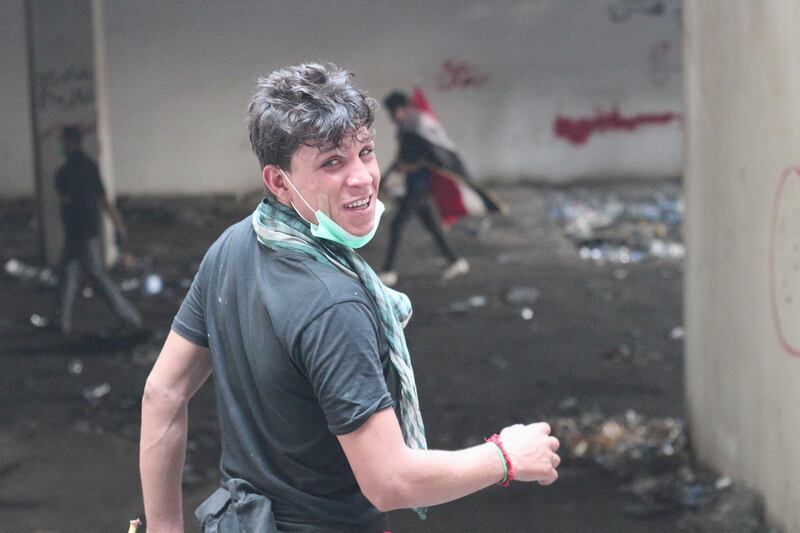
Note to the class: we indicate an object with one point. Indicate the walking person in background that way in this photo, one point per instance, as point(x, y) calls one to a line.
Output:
point(433, 172)
point(319, 416)
point(82, 196)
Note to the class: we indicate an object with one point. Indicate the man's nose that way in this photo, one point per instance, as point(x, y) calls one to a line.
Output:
point(359, 175)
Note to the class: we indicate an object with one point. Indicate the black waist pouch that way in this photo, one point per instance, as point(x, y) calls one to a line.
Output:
point(236, 507)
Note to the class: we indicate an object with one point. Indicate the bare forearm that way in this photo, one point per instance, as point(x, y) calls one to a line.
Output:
point(432, 477)
point(161, 457)
point(112, 211)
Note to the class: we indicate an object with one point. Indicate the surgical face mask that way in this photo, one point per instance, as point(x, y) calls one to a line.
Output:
point(329, 230)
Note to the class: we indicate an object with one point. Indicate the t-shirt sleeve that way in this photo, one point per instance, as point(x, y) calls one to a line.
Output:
point(340, 354)
point(190, 322)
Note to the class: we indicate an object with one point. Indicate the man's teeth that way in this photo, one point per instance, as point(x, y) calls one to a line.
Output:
point(358, 203)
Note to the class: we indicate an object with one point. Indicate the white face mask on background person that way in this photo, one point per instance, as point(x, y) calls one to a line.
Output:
point(327, 229)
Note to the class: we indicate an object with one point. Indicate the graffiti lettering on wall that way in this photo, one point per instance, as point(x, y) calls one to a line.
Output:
point(784, 261)
point(64, 89)
point(578, 130)
point(459, 75)
point(622, 10)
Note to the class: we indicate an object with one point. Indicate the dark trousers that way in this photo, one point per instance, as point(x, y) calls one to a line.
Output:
point(84, 254)
point(417, 202)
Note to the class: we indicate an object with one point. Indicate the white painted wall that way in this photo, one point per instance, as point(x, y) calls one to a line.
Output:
point(16, 137)
point(742, 70)
point(180, 73)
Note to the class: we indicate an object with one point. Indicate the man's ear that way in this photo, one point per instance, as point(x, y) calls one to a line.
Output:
point(276, 183)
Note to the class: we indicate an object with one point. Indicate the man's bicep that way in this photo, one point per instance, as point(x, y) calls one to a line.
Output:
point(368, 447)
point(182, 366)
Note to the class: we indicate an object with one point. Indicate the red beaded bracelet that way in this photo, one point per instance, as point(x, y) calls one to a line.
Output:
point(506, 481)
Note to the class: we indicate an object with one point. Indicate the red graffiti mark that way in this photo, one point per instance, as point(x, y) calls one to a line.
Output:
point(578, 130)
point(785, 241)
point(459, 75)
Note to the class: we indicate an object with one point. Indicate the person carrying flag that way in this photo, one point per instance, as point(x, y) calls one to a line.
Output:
point(319, 416)
point(433, 171)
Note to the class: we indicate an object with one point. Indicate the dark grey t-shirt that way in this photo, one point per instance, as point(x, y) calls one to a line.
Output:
point(299, 356)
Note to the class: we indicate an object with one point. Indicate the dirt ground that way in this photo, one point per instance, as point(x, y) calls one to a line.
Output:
point(576, 337)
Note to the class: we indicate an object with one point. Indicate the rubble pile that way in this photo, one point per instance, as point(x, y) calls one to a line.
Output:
point(610, 228)
point(652, 462)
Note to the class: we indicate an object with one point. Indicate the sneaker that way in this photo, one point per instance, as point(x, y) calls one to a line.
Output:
point(388, 278)
point(457, 268)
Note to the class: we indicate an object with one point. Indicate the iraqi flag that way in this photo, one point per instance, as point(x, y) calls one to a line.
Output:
point(454, 192)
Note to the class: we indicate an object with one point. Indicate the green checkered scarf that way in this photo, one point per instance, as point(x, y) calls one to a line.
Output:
point(278, 227)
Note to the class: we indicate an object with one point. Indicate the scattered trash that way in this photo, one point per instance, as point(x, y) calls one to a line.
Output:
point(20, 270)
point(25, 272)
point(623, 443)
point(568, 404)
point(723, 483)
point(131, 284)
point(463, 306)
point(153, 284)
point(75, 367)
point(39, 321)
point(608, 229)
point(633, 352)
point(738, 510)
point(47, 278)
point(522, 295)
point(92, 394)
point(676, 333)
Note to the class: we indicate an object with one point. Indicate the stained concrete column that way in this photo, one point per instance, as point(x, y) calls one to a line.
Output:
point(60, 50)
point(742, 290)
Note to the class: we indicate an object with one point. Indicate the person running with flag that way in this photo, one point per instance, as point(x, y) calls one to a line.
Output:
point(319, 416)
point(434, 175)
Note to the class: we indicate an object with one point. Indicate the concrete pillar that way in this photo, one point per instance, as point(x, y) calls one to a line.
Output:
point(60, 48)
point(742, 289)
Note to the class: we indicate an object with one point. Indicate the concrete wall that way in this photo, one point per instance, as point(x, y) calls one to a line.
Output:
point(16, 137)
point(179, 75)
point(742, 72)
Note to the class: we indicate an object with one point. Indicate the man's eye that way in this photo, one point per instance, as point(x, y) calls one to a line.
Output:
point(367, 150)
point(330, 162)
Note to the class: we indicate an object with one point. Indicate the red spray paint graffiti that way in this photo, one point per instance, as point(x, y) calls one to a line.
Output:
point(784, 261)
point(459, 75)
point(578, 130)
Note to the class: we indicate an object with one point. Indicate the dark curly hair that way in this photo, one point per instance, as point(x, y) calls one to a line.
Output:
point(312, 104)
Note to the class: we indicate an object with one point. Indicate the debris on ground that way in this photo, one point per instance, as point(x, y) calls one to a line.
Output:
point(611, 228)
point(652, 461)
point(464, 305)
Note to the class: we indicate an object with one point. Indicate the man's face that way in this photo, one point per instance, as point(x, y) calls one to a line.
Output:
point(399, 114)
point(342, 182)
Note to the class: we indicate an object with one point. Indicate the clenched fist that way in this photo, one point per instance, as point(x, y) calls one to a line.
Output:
point(532, 452)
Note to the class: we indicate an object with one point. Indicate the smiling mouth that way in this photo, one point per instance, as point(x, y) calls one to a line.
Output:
point(359, 204)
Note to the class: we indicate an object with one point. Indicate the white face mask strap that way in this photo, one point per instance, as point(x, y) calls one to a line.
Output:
point(295, 189)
